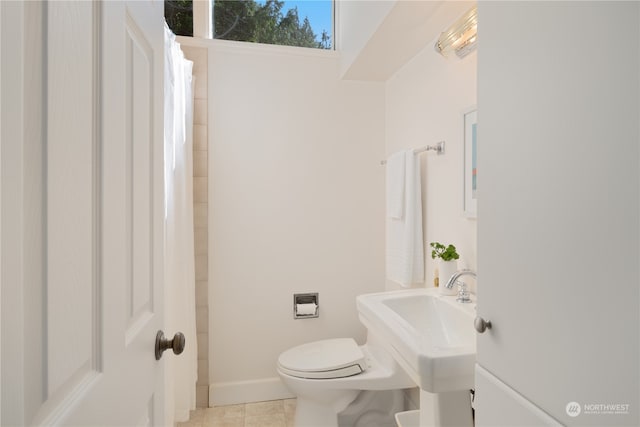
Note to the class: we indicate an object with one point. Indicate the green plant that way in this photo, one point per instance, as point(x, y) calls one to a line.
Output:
point(446, 253)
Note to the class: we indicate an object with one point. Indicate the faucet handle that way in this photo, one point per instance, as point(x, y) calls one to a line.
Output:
point(463, 292)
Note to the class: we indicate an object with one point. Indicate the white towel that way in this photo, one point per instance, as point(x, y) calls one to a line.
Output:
point(395, 185)
point(405, 246)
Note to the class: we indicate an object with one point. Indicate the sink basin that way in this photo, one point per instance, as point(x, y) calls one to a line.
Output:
point(430, 335)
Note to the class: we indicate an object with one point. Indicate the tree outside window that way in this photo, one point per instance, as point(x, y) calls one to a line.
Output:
point(179, 16)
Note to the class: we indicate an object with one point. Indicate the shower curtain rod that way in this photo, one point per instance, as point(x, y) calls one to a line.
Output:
point(438, 148)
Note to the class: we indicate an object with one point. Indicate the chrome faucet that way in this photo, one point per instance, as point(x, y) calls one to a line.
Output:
point(463, 292)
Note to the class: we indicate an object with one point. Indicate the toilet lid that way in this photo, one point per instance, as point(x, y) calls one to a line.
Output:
point(335, 358)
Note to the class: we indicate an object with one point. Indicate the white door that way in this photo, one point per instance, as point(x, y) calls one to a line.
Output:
point(558, 213)
point(82, 218)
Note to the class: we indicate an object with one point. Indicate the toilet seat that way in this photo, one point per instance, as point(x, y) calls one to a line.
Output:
point(326, 359)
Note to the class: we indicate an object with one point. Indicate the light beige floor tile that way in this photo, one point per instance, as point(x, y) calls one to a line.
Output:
point(221, 412)
point(290, 419)
point(264, 408)
point(197, 414)
point(225, 422)
point(289, 406)
point(276, 413)
point(273, 420)
point(190, 423)
point(290, 412)
point(196, 419)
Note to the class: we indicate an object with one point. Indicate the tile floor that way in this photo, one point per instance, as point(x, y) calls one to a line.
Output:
point(275, 413)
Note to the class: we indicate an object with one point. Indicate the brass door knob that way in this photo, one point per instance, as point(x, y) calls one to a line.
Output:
point(162, 344)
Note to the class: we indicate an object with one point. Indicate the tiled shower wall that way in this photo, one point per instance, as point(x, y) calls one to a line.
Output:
point(200, 215)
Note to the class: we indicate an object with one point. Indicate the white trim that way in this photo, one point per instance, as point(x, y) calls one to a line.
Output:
point(336, 44)
point(202, 19)
point(256, 48)
point(192, 41)
point(12, 145)
point(236, 392)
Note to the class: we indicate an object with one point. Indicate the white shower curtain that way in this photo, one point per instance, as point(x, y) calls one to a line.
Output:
point(181, 372)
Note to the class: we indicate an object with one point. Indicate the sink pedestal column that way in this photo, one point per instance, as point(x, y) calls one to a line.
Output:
point(445, 409)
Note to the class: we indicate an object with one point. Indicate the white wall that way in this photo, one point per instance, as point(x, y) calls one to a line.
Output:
point(425, 102)
point(356, 22)
point(296, 205)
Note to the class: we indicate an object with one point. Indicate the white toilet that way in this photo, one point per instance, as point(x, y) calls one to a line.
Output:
point(337, 380)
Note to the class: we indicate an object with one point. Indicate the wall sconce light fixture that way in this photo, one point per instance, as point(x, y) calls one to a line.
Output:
point(461, 37)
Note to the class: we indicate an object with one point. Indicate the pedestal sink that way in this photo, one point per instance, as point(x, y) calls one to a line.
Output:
point(432, 337)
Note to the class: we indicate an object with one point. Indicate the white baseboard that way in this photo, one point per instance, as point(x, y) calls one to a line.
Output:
point(232, 393)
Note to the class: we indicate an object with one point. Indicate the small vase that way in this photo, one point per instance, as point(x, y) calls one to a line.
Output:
point(446, 269)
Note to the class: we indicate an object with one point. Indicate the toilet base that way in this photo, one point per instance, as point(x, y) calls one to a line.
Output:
point(373, 409)
point(357, 409)
point(315, 414)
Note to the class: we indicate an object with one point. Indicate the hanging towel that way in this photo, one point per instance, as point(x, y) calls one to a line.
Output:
point(395, 185)
point(405, 246)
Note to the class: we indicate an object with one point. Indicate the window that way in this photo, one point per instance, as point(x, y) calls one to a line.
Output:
point(304, 23)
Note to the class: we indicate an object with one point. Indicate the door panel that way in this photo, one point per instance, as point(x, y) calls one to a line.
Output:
point(138, 80)
point(82, 286)
point(71, 279)
point(140, 153)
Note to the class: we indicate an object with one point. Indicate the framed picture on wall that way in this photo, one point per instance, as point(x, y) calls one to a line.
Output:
point(470, 163)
